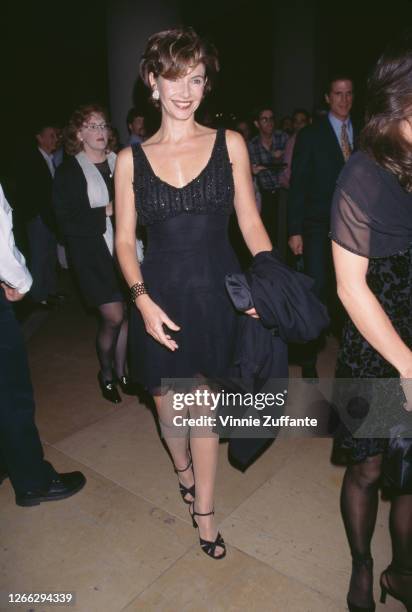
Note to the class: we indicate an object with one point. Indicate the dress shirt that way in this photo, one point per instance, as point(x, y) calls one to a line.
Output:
point(268, 180)
point(58, 157)
point(337, 128)
point(135, 139)
point(49, 161)
point(13, 270)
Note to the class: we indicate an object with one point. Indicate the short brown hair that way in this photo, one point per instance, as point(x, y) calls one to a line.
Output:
point(80, 116)
point(337, 76)
point(172, 52)
point(389, 103)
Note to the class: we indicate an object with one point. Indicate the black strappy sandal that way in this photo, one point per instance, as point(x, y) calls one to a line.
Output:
point(207, 546)
point(388, 588)
point(186, 490)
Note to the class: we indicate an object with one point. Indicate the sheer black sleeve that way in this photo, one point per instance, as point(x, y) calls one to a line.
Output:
point(371, 213)
point(350, 225)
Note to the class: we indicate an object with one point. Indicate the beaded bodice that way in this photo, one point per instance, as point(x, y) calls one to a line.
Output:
point(212, 191)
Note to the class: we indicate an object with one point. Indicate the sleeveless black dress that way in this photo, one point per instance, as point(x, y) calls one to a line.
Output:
point(187, 257)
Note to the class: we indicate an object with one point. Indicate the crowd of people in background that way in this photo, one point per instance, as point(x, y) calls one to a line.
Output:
point(280, 162)
point(270, 142)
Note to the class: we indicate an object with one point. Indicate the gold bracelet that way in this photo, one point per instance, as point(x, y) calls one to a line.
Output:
point(136, 290)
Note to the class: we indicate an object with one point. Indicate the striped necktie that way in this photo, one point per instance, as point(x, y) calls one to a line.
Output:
point(344, 142)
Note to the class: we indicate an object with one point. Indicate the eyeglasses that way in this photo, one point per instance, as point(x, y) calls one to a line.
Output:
point(267, 119)
point(96, 126)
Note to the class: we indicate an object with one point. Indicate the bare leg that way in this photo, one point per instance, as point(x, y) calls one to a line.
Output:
point(204, 445)
point(176, 438)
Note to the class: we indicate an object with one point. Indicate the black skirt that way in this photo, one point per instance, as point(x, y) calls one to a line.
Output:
point(95, 270)
point(185, 265)
point(390, 279)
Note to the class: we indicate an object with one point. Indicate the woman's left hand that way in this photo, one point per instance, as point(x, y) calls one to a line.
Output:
point(252, 313)
point(13, 295)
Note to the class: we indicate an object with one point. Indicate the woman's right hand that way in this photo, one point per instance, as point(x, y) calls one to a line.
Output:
point(405, 374)
point(406, 384)
point(154, 318)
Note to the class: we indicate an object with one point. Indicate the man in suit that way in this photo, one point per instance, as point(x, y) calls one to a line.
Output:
point(34, 480)
point(34, 192)
point(320, 153)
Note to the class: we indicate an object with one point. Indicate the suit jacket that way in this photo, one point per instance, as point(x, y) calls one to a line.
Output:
point(74, 215)
point(34, 189)
point(316, 165)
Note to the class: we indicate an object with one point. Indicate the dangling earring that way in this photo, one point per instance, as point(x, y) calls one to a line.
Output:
point(155, 94)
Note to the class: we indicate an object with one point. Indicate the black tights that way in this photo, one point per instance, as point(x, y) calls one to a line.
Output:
point(111, 340)
point(359, 506)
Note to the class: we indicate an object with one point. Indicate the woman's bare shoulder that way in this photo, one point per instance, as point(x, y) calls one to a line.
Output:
point(125, 157)
point(234, 138)
point(124, 163)
point(235, 144)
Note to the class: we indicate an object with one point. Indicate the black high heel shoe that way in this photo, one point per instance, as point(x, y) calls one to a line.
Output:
point(387, 588)
point(109, 389)
point(126, 385)
point(208, 546)
point(186, 490)
point(366, 562)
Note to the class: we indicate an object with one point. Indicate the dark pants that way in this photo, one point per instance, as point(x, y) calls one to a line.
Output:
point(43, 259)
point(21, 453)
point(270, 214)
point(318, 264)
point(317, 255)
point(282, 240)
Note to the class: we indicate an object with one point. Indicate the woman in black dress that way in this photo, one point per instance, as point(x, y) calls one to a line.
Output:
point(372, 238)
point(83, 200)
point(182, 184)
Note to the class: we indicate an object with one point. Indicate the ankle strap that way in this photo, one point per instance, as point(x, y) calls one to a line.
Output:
point(202, 513)
point(398, 570)
point(186, 468)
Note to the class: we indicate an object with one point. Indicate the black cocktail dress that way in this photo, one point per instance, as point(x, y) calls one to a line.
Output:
point(187, 258)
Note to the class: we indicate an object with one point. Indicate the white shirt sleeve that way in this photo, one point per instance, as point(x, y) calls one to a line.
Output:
point(13, 269)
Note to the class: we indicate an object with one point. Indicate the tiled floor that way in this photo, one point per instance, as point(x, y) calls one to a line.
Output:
point(125, 542)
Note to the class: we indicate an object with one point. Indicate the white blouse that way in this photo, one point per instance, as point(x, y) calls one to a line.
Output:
point(13, 269)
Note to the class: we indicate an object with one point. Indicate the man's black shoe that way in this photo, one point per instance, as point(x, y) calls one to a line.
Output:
point(57, 298)
point(44, 306)
point(62, 486)
point(310, 372)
